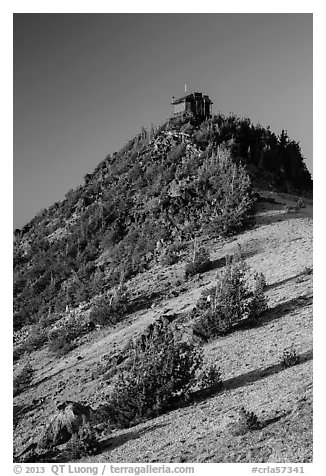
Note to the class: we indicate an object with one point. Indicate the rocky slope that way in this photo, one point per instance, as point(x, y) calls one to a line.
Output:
point(165, 185)
point(280, 246)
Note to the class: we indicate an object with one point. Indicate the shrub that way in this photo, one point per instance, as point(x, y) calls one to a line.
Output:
point(257, 304)
point(161, 375)
point(83, 443)
point(176, 153)
point(290, 357)
point(247, 421)
point(234, 204)
point(23, 379)
point(110, 309)
point(37, 337)
point(171, 255)
point(223, 305)
point(18, 352)
point(209, 376)
point(211, 323)
point(199, 264)
point(60, 342)
point(307, 271)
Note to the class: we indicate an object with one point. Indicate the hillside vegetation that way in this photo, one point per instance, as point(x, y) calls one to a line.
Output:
point(164, 187)
point(156, 286)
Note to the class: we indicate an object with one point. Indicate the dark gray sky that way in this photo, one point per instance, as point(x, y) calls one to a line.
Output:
point(86, 83)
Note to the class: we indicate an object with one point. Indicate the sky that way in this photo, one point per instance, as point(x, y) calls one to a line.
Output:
point(84, 84)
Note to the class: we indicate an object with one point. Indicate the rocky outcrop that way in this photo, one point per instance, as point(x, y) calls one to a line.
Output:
point(67, 421)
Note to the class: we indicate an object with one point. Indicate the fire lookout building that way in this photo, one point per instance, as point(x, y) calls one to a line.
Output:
point(195, 105)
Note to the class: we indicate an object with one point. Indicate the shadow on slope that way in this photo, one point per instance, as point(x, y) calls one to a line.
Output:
point(116, 441)
point(246, 379)
point(143, 302)
point(265, 214)
point(285, 281)
point(283, 438)
point(221, 262)
point(261, 373)
point(270, 315)
point(274, 313)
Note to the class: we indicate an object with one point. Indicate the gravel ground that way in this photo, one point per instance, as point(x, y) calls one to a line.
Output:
point(280, 246)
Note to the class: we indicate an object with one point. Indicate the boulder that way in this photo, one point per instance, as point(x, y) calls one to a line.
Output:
point(66, 422)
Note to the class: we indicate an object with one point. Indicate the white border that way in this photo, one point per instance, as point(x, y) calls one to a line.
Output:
point(7, 9)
